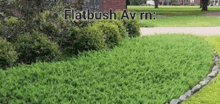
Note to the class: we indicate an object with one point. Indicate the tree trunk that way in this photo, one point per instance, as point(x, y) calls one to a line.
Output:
point(201, 3)
point(205, 5)
point(127, 3)
point(156, 3)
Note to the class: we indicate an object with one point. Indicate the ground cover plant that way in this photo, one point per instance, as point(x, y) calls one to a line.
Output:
point(152, 69)
point(210, 93)
point(179, 16)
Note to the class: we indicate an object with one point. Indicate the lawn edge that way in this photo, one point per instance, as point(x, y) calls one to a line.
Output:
point(205, 81)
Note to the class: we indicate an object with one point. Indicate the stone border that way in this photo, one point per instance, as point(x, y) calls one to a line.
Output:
point(202, 83)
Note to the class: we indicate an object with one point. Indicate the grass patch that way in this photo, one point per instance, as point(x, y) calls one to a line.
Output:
point(178, 16)
point(210, 94)
point(174, 10)
point(152, 69)
point(182, 21)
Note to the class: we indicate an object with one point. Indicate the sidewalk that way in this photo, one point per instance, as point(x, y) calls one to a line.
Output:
point(201, 31)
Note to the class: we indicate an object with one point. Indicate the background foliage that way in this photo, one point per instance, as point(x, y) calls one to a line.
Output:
point(45, 25)
point(8, 55)
point(36, 47)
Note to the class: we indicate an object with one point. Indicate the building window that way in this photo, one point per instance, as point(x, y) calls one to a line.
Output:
point(192, 1)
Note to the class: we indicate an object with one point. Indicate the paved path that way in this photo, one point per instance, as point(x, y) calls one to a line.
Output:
point(201, 31)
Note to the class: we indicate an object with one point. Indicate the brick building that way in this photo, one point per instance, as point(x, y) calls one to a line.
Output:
point(114, 4)
point(104, 5)
point(93, 5)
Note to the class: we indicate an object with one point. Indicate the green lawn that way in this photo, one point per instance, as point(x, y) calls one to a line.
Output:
point(150, 70)
point(178, 16)
point(210, 94)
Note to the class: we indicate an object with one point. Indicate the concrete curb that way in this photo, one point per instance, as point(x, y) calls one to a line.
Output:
point(201, 84)
point(198, 31)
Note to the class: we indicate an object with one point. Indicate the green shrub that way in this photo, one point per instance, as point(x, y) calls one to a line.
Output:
point(36, 47)
point(1, 29)
point(12, 27)
point(119, 13)
point(8, 54)
point(132, 26)
point(12, 21)
point(60, 31)
point(50, 25)
point(87, 38)
point(56, 28)
point(121, 28)
point(52, 31)
point(69, 43)
point(111, 33)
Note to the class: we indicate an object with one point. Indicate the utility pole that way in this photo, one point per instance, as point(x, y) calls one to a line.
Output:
point(214, 3)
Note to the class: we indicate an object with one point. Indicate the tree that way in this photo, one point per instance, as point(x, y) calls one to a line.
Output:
point(156, 3)
point(29, 9)
point(201, 4)
point(127, 3)
point(205, 5)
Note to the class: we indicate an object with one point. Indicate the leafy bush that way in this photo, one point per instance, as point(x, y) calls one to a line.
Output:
point(69, 43)
point(132, 26)
point(121, 27)
point(12, 21)
point(111, 33)
point(8, 54)
point(51, 25)
point(1, 29)
point(36, 47)
point(12, 27)
point(55, 27)
point(87, 38)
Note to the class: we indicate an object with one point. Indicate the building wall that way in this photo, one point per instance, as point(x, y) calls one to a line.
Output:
point(105, 5)
point(197, 2)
